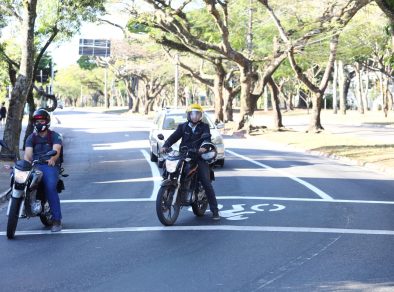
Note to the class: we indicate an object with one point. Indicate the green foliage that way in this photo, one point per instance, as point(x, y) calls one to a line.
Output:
point(86, 63)
point(69, 82)
point(44, 69)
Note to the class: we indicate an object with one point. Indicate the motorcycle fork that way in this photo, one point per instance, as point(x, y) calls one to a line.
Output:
point(175, 196)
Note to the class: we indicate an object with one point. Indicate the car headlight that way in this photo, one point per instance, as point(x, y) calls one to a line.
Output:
point(20, 176)
point(217, 140)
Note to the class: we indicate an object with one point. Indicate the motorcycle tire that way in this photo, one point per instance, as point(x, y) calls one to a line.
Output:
point(165, 210)
point(200, 205)
point(13, 217)
point(45, 216)
point(46, 220)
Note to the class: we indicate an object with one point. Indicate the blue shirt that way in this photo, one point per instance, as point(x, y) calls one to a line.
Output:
point(42, 144)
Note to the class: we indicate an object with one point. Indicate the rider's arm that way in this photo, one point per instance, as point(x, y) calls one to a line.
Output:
point(52, 160)
point(174, 137)
point(28, 154)
point(29, 149)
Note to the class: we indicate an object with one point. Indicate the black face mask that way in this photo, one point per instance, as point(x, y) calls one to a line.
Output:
point(40, 127)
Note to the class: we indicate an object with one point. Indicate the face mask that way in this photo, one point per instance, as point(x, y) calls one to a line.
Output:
point(40, 127)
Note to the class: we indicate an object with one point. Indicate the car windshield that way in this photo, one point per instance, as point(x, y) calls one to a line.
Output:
point(171, 121)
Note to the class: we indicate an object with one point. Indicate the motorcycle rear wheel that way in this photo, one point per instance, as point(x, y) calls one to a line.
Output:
point(166, 211)
point(13, 217)
point(200, 205)
point(45, 216)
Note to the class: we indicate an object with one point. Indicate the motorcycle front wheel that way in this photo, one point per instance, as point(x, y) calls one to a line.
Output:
point(166, 211)
point(200, 205)
point(13, 217)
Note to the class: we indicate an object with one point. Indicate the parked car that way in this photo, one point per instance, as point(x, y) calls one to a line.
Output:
point(166, 122)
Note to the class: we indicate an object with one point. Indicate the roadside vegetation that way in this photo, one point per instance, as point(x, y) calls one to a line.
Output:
point(242, 55)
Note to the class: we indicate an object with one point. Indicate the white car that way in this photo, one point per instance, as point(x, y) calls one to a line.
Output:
point(166, 122)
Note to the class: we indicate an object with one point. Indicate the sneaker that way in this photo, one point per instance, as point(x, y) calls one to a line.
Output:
point(215, 215)
point(57, 226)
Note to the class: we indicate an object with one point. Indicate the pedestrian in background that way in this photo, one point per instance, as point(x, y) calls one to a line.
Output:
point(3, 113)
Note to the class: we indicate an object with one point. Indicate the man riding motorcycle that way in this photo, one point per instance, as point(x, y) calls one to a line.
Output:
point(191, 132)
point(40, 142)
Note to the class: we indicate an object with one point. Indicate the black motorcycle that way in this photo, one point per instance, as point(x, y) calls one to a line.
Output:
point(181, 186)
point(26, 195)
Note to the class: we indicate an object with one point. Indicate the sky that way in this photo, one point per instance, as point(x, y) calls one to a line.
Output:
point(67, 53)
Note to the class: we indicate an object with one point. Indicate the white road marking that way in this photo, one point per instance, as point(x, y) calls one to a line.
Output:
point(233, 198)
point(211, 228)
point(143, 179)
point(155, 175)
point(314, 189)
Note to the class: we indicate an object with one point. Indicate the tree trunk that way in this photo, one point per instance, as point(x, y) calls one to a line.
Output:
point(334, 89)
point(32, 108)
point(228, 103)
point(275, 103)
point(315, 123)
point(247, 109)
point(136, 106)
point(218, 85)
point(341, 85)
point(23, 82)
point(364, 90)
point(146, 107)
point(358, 89)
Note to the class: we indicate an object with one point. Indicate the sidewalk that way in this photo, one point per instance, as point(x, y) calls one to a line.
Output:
point(5, 172)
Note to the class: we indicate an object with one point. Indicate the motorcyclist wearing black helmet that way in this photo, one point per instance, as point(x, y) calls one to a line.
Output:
point(190, 132)
point(40, 142)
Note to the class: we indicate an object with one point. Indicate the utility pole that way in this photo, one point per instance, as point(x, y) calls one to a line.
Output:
point(249, 37)
point(52, 76)
point(106, 102)
point(176, 80)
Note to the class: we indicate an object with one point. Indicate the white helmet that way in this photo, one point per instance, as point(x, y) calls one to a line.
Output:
point(211, 153)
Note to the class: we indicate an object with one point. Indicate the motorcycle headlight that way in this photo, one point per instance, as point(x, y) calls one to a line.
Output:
point(171, 165)
point(20, 176)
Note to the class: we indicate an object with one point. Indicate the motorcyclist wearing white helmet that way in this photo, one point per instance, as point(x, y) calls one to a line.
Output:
point(191, 131)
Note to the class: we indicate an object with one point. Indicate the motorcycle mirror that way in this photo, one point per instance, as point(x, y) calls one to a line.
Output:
point(160, 136)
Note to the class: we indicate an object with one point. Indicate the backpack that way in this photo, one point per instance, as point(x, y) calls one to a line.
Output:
point(50, 142)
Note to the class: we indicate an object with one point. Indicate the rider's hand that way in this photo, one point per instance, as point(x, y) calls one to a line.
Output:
point(202, 150)
point(163, 149)
point(51, 161)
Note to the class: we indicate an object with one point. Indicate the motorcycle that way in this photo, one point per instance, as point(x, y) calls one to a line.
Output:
point(181, 186)
point(26, 195)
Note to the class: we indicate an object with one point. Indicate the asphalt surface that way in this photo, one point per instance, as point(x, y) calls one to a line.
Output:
point(290, 221)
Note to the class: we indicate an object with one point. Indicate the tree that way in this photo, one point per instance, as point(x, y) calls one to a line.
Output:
point(55, 20)
point(333, 20)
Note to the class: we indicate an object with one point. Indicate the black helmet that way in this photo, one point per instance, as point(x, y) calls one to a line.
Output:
point(41, 114)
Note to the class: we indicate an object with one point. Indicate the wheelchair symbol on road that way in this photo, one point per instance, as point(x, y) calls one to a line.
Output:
point(238, 211)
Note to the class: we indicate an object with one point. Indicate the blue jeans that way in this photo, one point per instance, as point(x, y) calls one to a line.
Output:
point(50, 178)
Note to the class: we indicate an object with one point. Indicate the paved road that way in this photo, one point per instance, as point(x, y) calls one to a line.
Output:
point(290, 222)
